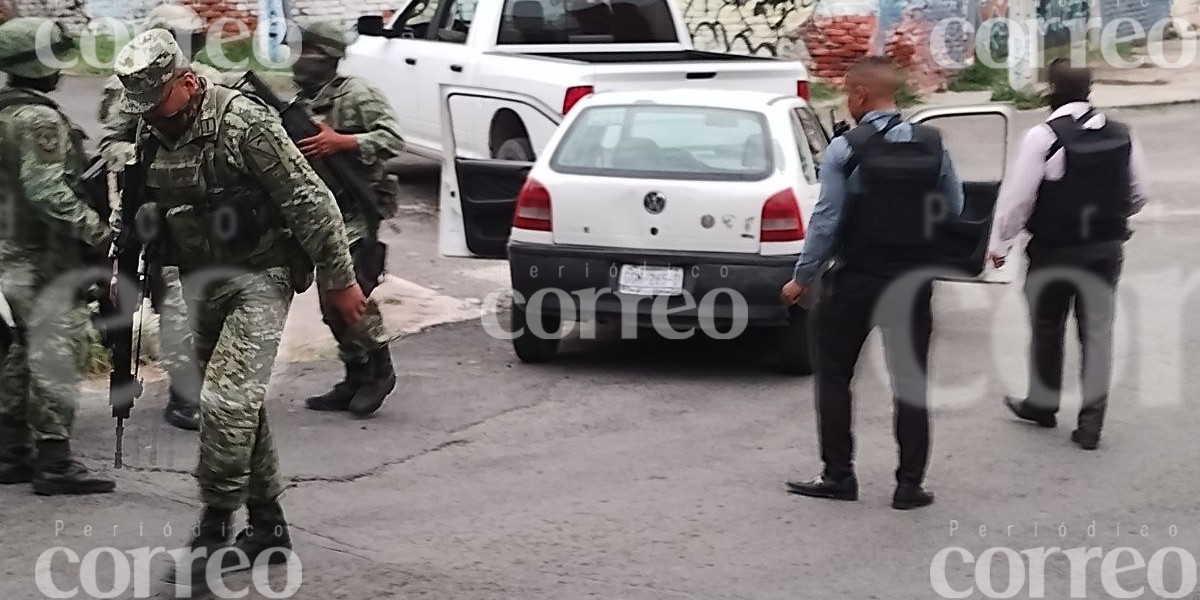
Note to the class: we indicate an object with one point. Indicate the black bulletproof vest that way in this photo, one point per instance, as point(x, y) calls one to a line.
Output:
point(893, 221)
point(1091, 203)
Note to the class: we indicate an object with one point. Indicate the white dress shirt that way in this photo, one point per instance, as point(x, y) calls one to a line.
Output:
point(1019, 192)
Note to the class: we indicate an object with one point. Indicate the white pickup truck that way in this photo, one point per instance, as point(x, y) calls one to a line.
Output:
point(557, 51)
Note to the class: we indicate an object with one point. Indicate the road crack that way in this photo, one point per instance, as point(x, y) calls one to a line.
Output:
point(376, 470)
point(379, 469)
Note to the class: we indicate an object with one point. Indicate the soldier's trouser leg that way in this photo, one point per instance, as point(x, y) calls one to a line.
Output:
point(15, 439)
point(175, 337)
point(356, 344)
point(363, 350)
point(53, 320)
point(54, 330)
point(238, 324)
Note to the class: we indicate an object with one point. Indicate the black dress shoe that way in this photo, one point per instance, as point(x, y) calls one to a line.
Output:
point(1085, 440)
point(819, 487)
point(908, 497)
point(1020, 408)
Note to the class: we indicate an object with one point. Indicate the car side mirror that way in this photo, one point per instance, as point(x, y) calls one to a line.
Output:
point(371, 25)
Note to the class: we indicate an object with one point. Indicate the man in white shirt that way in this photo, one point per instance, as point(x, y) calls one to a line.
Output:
point(1077, 179)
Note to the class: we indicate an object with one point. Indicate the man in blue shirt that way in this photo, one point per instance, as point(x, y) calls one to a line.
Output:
point(886, 187)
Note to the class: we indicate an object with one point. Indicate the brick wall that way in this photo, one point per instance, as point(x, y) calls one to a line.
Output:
point(909, 40)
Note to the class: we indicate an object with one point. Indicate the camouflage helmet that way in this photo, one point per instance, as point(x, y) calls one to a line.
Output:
point(25, 39)
point(174, 17)
point(330, 37)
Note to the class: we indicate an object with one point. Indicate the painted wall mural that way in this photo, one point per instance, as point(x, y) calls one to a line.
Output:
point(1062, 21)
point(997, 33)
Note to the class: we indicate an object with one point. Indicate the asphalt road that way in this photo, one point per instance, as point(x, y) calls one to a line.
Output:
point(654, 469)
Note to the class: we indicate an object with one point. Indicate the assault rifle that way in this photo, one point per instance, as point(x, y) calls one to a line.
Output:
point(345, 175)
point(127, 256)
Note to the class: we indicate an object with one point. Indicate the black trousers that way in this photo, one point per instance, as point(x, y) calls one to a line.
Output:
point(1084, 277)
point(853, 305)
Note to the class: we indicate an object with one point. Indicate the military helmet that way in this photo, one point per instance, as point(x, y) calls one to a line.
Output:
point(22, 39)
point(174, 17)
point(330, 37)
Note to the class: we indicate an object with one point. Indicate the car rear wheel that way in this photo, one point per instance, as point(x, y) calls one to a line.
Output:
point(531, 347)
point(518, 149)
point(795, 344)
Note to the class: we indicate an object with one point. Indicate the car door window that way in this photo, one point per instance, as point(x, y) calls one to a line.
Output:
point(415, 21)
point(814, 132)
point(455, 20)
point(804, 148)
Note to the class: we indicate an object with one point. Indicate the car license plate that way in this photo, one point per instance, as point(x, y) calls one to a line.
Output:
point(646, 280)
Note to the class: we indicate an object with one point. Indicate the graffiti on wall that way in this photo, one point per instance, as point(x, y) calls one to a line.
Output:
point(1062, 21)
point(997, 31)
point(755, 27)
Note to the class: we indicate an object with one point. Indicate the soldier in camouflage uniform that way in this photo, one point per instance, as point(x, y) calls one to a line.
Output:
point(354, 118)
point(248, 220)
point(166, 293)
point(42, 219)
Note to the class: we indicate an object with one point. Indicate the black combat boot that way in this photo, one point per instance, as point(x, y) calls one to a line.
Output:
point(213, 533)
point(266, 532)
point(340, 396)
point(371, 395)
point(16, 466)
point(181, 412)
point(57, 474)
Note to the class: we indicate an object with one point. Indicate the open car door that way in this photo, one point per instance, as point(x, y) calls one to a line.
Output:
point(478, 195)
point(977, 138)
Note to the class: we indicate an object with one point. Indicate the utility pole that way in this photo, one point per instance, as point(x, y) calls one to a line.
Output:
point(1024, 43)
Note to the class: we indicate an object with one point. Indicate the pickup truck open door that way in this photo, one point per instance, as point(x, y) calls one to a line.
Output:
point(979, 147)
point(478, 196)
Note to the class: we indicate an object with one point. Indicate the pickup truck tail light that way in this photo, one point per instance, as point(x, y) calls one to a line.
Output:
point(533, 207)
point(781, 218)
point(802, 90)
point(574, 95)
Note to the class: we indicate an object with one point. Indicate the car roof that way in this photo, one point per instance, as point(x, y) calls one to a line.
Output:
point(735, 99)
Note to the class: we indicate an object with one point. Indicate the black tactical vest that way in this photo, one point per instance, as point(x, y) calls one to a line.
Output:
point(892, 223)
point(1091, 203)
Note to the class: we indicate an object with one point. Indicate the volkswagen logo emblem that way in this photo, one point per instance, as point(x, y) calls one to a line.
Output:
point(654, 203)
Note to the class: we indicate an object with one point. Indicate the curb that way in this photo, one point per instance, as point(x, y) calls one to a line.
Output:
point(825, 105)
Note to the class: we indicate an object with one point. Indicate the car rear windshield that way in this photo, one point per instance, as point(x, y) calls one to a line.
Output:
point(587, 22)
point(666, 142)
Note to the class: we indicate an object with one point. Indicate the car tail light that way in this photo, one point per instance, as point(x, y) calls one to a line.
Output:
point(533, 207)
point(574, 95)
point(781, 218)
point(802, 90)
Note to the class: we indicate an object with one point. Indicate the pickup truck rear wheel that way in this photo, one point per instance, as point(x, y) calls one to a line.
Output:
point(518, 149)
point(795, 344)
point(529, 346)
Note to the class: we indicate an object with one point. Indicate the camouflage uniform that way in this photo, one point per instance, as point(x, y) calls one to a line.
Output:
point(120, 132)
point(238, 295)
point(351, 105)
point(44, 218)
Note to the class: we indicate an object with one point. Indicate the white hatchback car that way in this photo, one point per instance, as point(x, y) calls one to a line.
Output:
point(677, 208)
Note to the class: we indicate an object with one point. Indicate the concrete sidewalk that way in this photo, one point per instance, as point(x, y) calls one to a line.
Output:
point(1115, 87)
